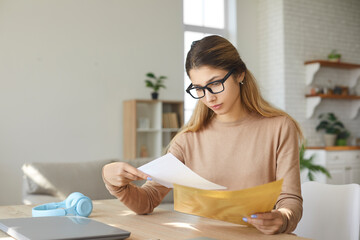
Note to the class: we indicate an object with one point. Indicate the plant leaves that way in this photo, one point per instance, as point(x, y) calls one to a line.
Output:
point(340, 124)
point(149, 83)
point(332, 117)
point(308, 164)
point(156, 83)
point(330, 124)
point(310, 176)
point(151, 75)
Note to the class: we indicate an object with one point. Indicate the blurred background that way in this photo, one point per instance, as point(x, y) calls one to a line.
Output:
point(66, 67)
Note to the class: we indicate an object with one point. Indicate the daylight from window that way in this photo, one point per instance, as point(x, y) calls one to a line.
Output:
point(201, 18)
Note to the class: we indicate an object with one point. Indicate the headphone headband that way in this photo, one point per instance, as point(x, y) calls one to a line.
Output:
point(75, 204)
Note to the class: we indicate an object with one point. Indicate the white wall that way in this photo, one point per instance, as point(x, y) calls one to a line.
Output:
point(311, 30)
point(292, 32)
point(65, 69)
point(271, 51)
point(247, 34)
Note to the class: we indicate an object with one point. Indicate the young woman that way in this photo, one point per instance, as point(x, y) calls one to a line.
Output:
point(234, 138)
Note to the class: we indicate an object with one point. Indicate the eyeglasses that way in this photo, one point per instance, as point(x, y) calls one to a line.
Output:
point(214, 87)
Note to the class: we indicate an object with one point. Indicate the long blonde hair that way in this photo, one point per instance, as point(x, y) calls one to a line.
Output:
point(217, 52)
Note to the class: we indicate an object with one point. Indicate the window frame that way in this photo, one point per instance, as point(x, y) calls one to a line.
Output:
point(224, 32)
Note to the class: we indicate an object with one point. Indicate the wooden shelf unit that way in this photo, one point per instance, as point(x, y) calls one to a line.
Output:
point(335, 148)
point(325, 63)
point(154, 137)
point(333, 96)
point(312, 101)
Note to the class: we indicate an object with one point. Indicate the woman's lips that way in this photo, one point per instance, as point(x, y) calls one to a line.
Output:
point(215, 107)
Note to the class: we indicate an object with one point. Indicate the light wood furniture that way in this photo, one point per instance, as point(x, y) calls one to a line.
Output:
point(352, 75)
point(335, 148)
point(161, 224)
point(145, 133)
point(333, 96)
point(325, 63)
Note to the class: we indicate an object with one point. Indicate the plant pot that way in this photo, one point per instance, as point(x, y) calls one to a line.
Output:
point(334, 59)
point(154, 95)
point(341, 142)
point(329, 139)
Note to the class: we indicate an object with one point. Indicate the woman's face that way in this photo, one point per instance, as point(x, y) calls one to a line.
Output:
point(226, 104)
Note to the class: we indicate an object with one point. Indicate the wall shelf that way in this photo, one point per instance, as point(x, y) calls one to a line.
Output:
point(313, 66)
point(312, 101)
point(335, 148)
point(334, 96)
point(311, 104)
point(325, 63)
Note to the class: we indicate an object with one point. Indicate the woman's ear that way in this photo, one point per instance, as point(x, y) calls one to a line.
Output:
point(240, 79)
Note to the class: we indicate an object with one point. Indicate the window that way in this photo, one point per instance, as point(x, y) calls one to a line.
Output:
point(201, 18)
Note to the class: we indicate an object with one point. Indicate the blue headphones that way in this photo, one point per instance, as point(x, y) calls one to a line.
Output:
point(75, 204)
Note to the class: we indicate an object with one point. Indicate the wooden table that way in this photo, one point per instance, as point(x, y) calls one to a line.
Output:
point(161, 224)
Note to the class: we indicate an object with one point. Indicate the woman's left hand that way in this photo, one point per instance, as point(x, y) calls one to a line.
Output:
point(268, 223)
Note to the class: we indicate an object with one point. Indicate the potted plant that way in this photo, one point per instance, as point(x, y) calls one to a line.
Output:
point(155, 83)
point(334, 56)
point(342, 137)
point(307, 163)
point(332, 127)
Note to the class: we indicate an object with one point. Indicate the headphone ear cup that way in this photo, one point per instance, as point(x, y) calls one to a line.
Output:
point(73, 198)
point(84, 207)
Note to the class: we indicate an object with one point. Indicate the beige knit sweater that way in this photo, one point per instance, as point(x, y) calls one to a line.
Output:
point(252, 151)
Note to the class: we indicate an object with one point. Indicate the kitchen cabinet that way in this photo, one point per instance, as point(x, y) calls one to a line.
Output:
point(344, 166)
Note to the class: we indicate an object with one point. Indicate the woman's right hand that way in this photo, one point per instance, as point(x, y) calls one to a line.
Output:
point(120, 174)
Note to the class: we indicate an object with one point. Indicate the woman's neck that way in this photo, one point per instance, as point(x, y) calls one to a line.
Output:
point(233, 116)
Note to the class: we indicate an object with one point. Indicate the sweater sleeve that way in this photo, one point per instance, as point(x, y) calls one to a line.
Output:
point(144, 199)
point(141, 200)
point(289, 202)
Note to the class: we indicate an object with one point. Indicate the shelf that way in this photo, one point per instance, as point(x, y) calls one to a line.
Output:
point(143, 132)
point(312, 67)
point(334, 96)
point(312, 101)
point(311, 104)
point(335, 148)
point(325, 63)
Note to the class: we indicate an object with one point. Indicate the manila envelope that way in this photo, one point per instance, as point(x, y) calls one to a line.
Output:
point(229, 206)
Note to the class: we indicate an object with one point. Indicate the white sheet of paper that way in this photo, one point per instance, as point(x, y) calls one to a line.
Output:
point(167, 170)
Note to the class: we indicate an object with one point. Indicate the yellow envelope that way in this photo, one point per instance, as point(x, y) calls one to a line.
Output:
point(229, 206)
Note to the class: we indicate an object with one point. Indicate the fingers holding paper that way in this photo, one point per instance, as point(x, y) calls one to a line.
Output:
point(120, 174)
point(268, 223)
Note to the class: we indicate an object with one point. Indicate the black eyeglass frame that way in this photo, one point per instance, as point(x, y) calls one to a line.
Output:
point(206, 86)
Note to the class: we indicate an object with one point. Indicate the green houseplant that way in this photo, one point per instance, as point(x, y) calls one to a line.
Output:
point(332, 126)
point(342, 137)
point(334, 56)
point(155, 83)
point(307, 163)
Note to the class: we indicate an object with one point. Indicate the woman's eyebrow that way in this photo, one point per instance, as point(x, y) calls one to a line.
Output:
point(210, 80)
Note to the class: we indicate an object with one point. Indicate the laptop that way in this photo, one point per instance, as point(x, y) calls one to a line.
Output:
point(60, 228)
